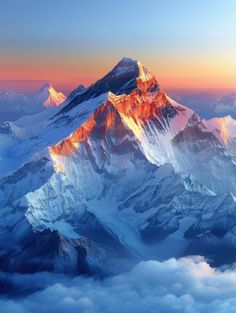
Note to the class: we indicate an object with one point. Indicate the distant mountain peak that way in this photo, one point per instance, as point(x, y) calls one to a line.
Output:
point(53, 98)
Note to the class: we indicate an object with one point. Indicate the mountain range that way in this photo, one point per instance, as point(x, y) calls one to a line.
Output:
point(115, 173)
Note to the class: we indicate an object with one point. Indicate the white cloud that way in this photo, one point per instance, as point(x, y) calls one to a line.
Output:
point(184, 286)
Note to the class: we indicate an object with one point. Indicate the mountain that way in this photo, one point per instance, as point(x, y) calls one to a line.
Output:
point(14, 105)
point(117, 173)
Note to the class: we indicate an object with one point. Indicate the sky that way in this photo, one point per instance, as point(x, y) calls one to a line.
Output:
point(186, 43)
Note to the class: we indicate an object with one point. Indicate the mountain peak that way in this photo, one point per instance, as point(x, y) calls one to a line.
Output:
point(55, 98)
point(140, 72)
point(127, 76)
point(126, 68)
point(126, 62)
point(51, 96)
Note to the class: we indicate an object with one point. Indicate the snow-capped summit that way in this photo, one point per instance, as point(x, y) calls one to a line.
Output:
point(49, 96)
point(54, 98)
point(126, 64)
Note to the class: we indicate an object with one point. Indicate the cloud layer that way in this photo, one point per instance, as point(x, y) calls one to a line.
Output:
point(184, 286)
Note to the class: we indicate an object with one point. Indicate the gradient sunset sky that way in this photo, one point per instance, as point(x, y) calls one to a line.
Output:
point(186, 43)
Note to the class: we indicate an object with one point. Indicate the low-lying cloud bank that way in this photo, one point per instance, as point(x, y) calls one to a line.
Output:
point(187, 285)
